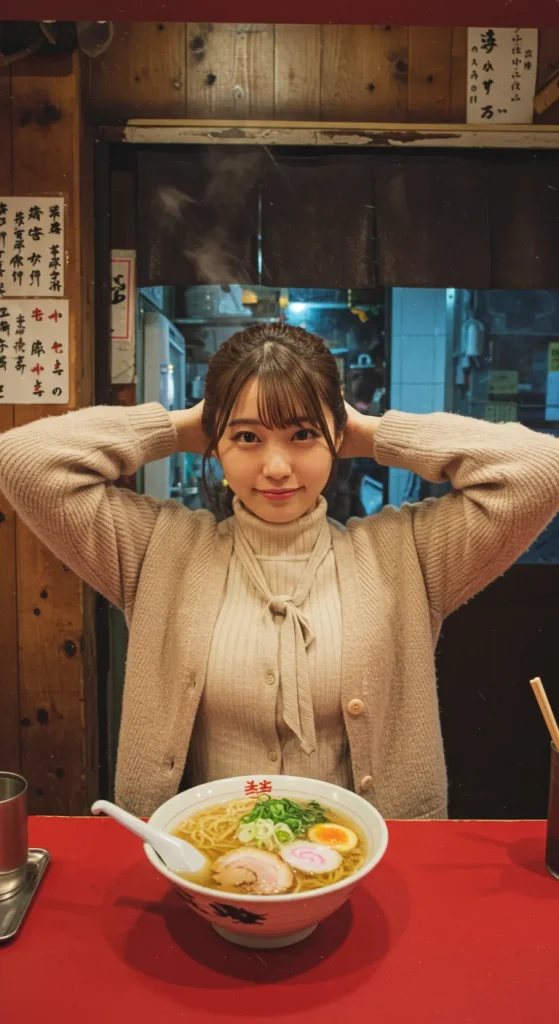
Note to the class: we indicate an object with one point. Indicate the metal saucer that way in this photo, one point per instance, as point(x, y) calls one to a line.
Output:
point(14, 908)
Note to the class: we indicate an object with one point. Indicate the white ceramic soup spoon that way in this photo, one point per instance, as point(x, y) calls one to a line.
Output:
point(176, 854)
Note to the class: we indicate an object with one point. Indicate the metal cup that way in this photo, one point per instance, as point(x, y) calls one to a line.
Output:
point(13, 833)
point(552, 836)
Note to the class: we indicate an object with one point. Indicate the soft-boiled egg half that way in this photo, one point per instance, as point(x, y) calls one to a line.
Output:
point(338, 837)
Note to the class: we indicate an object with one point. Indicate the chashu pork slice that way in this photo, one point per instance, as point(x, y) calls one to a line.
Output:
point(253, 871)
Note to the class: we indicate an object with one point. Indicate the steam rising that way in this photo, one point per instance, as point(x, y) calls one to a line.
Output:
point(212, 228)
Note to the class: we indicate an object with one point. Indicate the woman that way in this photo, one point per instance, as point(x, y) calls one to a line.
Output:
point(276, 640)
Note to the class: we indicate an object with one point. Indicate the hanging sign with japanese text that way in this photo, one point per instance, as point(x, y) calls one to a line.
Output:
point(34, 338)
point(502, 64)
point(123, 316)
point(31, 246)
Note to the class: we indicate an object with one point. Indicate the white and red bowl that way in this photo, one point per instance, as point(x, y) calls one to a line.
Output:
point(268, 922)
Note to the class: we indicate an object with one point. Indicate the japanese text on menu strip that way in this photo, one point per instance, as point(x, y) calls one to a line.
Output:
point(34, 351)
point(31, 246)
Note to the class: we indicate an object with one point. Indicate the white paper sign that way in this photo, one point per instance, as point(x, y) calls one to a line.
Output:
point(34, 351)
point(31, 246)
point(502, 64)
point(123, 316)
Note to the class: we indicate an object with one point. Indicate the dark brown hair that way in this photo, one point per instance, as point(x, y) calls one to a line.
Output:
point(298, 378)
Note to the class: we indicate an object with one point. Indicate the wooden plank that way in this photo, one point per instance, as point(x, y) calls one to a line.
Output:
point(430, 66)
point(298, 55)
point(548, 55)
point(54, 633)
point(548, 63)
point(230, 70)
point(112, 131)
point(141, 72)
point(548, 95)
point(364, 135)
point(83, 165)
point(50, 614)
point(458, 75)
point(364, 73)
point(10, 755)
point(6, 128)
point(84, 242)
point(9, 686)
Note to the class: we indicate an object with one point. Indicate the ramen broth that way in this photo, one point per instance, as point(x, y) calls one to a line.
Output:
point(216, 832)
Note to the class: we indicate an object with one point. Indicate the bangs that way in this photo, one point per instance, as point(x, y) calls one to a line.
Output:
point(289, 393)
point(282, 403)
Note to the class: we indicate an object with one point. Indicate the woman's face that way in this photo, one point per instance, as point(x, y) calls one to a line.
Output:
point(277, 474)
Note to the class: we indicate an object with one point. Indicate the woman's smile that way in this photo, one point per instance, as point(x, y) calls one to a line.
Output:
point(276, 495)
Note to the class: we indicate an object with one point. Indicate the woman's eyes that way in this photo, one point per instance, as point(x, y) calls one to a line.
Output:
point(246, 436)
point(307, 435)
point(249, 437)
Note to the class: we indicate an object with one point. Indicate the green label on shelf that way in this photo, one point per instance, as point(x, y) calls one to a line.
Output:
point(553, 357)
point(503, 382)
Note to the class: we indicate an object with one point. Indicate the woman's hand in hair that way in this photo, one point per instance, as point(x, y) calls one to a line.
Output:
point(190, 432)
point(358, 441)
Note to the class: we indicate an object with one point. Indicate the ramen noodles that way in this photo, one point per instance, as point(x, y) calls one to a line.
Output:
point(273, 846)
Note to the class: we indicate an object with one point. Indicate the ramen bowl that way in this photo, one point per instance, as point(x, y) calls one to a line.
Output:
point(269, 922)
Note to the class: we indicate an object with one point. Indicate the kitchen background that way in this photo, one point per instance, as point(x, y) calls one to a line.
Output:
point(492, 354)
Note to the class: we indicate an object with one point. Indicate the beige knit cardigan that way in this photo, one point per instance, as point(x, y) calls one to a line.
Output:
point(400, 573)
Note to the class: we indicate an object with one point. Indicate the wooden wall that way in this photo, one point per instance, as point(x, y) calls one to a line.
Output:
point(290, 72)
point(47, 660)
point(9, 689)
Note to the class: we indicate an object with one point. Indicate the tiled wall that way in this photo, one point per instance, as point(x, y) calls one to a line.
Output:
point(418, 361)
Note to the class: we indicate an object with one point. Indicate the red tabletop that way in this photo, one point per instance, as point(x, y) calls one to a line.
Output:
point(458, 923)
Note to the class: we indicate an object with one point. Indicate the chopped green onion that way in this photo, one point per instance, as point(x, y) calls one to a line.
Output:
point(276, 810)
point(283, 833)
point(264, 828)
point(246, 833)
point(298, 819)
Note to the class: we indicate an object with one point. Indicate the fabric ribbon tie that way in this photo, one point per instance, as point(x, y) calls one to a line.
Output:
point(284, 607)
point(294, 635)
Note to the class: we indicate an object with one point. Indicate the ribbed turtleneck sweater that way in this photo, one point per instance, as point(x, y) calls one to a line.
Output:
point(272, 700)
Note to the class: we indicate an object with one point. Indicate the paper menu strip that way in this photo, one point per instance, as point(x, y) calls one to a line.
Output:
point(32, 253)
point(34, 351)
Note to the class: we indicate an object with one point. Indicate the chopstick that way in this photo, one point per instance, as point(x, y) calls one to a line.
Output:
point(546, 711)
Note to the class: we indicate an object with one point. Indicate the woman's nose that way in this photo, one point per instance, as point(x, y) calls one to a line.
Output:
point(277, 464)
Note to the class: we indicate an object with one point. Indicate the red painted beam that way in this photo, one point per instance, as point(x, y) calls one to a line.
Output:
point(523, 13)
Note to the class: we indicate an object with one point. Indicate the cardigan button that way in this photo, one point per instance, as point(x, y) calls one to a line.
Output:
point(366, 783)
point(356, 707)
point(192, 680)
